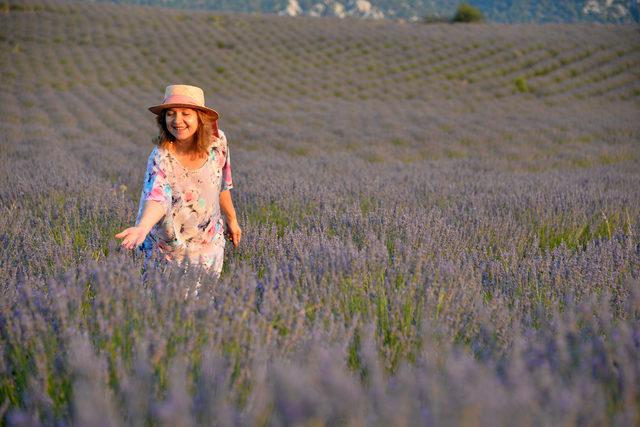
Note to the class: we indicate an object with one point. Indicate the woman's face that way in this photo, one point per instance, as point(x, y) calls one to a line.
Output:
point(182, 123)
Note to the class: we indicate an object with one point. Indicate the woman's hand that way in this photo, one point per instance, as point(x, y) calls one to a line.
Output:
point(234, 232)
point(132, 237)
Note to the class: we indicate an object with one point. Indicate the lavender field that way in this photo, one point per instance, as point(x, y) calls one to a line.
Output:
point(441, 222)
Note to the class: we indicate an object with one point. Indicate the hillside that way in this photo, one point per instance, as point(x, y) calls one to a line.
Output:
point(317, 78)
point(504, 11)
point(429, 213)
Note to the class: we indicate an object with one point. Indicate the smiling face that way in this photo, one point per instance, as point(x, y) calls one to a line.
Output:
point(182, 123)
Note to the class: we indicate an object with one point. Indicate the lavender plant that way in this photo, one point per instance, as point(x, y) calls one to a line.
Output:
point(423, 243)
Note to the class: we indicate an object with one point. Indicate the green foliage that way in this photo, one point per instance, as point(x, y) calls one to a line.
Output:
point(468, 14)
point(281, 217)
point(577, 235)
point(399, 142)
point(436, 19)
point(521, 84)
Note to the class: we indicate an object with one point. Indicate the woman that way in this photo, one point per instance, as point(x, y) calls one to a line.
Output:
point(186, 185)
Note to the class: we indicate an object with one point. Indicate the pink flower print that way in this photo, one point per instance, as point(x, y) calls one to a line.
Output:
point(209, 232)
point(160, 172)
point(157, 194)
point(226, 176)
point(213, 231)
point(190, 196)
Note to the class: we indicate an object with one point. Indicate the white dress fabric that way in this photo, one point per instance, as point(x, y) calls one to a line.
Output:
point(192, 227)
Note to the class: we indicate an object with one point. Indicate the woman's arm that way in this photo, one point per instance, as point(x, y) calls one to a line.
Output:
point(134, 236)
point(233, 228)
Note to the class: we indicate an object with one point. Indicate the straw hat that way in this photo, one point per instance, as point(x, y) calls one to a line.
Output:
point(184, 96)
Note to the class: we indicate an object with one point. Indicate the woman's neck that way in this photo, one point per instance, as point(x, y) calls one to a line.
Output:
point(184, 146)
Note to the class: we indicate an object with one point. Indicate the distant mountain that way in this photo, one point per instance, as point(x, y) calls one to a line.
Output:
point(507, 11)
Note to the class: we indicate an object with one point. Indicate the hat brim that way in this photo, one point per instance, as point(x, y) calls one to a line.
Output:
point(157, 109)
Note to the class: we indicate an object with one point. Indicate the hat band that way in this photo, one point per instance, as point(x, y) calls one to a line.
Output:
point(181, 99)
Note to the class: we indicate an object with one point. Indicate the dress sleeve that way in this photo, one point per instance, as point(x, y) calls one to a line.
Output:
point(155, 185)
point(223, 151)
point(227, 181)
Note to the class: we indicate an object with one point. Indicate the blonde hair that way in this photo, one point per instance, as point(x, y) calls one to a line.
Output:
point(202, 136)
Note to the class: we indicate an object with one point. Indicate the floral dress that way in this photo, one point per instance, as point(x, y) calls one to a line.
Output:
point(192, 226)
